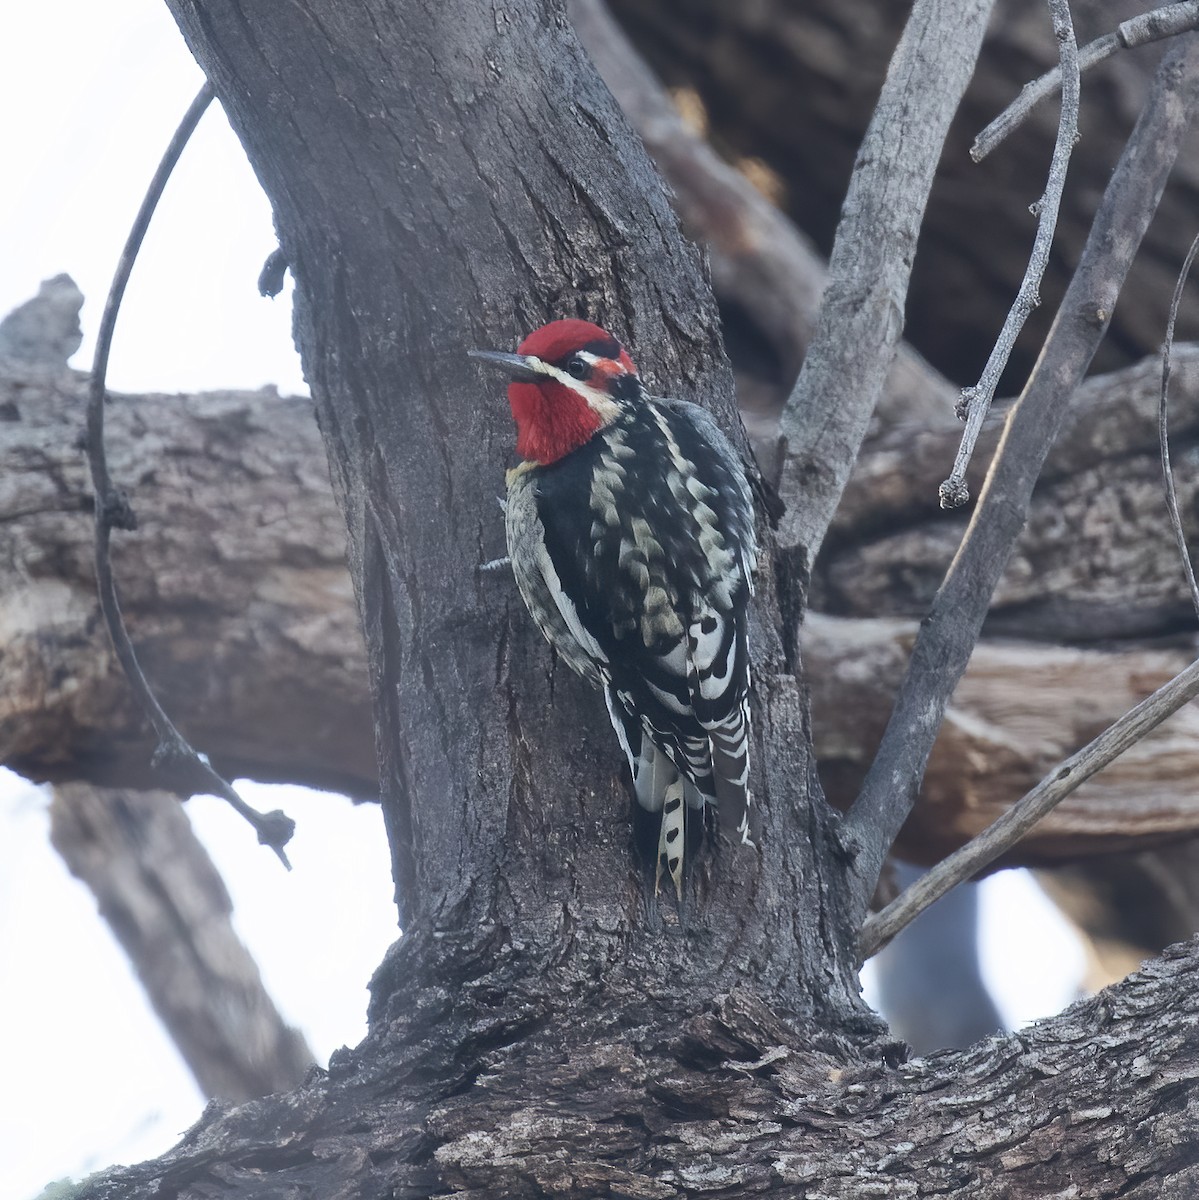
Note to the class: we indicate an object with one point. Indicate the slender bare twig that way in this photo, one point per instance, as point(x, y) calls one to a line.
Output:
point(963, 864)
point(861, 318)
point(185, 769)
point(1164, 22)
point(949, 632)
point(1163, 433)
point(976, 401)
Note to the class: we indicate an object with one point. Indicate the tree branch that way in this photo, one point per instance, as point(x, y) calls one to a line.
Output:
point(1026, 812)
point(1164, 22)
point(166, 904)
point(861, 319)
point(263, 662)
point(1019, 709)
point(953, 624)
point(235, 588)
point(1163, 430)
point(976, 401)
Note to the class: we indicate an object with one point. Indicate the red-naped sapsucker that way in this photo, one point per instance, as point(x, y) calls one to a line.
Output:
point(631, 533)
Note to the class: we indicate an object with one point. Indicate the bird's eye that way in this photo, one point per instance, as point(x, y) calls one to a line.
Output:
point(577, 368)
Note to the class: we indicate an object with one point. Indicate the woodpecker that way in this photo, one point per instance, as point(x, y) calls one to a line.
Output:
point(631, 533)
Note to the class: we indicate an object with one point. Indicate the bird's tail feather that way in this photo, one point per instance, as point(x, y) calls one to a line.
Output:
point(730, 776)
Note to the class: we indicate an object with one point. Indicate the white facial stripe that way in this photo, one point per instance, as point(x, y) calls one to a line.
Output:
point(599, 401)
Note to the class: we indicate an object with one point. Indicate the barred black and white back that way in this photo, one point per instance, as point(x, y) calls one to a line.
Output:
point(635, 553)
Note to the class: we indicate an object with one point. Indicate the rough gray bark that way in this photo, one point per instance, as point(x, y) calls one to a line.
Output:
point(162, 897)
point(725, 1102)
point(492, 761)
point(435, 188)
point(234, 588)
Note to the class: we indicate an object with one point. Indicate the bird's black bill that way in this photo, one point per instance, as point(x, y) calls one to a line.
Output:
point(515, 366)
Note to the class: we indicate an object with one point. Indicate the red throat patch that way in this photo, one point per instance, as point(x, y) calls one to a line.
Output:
point(551, 420)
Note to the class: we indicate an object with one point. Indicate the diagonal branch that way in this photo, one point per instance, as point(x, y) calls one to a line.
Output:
point(1153, 26)
point(166, 904)
point(979, 852)
point(861, 320)
point(952, 626)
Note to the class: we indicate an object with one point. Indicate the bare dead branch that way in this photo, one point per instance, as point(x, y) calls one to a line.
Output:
point(1164, 22)
point(955, 619)
point(976, 401)
point(179, 762)
point(1026, 812)
point(1163, 432)
point(861, 318)
point(165, 902)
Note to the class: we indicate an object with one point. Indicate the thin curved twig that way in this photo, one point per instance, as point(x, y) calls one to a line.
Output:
point(1005, 832)
point(1163, 433)
point(976, 401)
point(1164, 22)
point(185, 769)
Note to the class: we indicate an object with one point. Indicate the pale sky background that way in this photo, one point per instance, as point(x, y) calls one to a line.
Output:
point(89, 95)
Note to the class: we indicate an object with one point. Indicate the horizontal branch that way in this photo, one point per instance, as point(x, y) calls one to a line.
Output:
point(236, 589)
point(268, 669)
point(1019, 709)
point(1095, 559)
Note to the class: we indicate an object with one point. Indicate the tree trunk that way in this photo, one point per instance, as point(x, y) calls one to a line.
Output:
point(446, 177)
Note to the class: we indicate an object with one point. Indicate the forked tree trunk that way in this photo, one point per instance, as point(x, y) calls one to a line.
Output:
point(448, 175)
